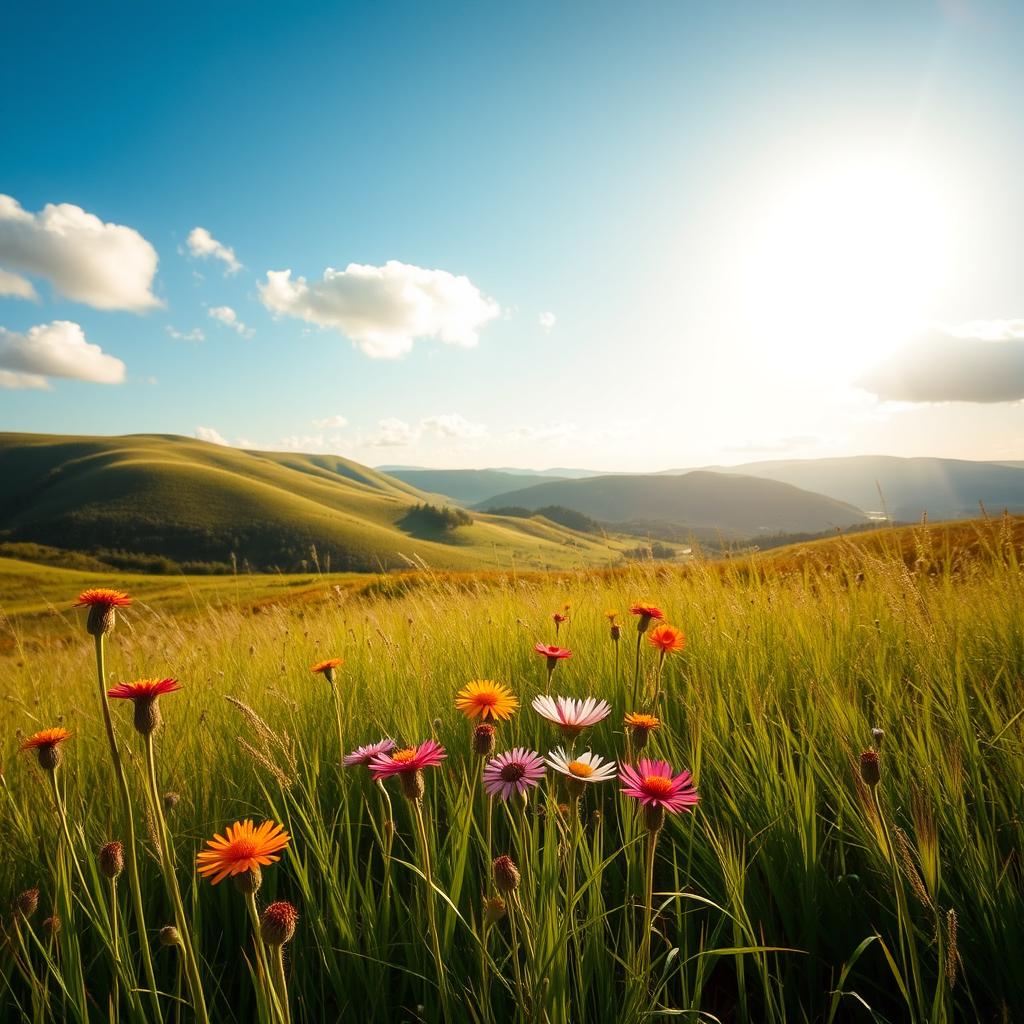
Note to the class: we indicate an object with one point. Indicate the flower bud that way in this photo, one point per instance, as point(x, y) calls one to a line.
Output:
point(52, 925)
point(26, 902)
point(483, 740)
point(413, 785)
point(870, 770)
point(249, 882)
point(171, 800)
point(111, 858)
point(50, 756)
point(277, 925)
point(494, 909)
point(169, 936)
point(616, 631)
point(506, 874)
point(147, 715)
point(877, 737)
point(102, 618)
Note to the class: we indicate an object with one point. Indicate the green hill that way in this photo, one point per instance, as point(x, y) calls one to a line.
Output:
point(706, 502)
point(466, 486)
point(156, 498)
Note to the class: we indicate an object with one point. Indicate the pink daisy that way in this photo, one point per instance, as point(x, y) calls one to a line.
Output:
point(654, 785)
point(408, 761)
point(364, 755)
point(513, 772)
point(572, 715)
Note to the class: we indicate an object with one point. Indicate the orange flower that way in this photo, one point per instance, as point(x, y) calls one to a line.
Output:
point(101, 596)
point(242, 848)
point(483, 698)
point(323, 667)
point(102, 605)
point(45, 738)
point(638, 720)
point(667, 639)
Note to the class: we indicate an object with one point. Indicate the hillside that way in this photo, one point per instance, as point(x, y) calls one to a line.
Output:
point(706, 502)
point(176, 498)
point(944, 488)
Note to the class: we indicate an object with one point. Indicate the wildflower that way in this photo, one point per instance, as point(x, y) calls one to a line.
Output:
point(667, 639)
point(483, 699)
point(102, 605)
point(365, 754)
point(506, 874)
point(878, 738)
point(870, 770)
point(111, 859)
point(640, 727)
point(552, 653)
point(144, 695)
point(579, 771)
point(326, 668)
point(573, 716)
point(513, 772)
point(658, 789)
point(277, 924)
point(27, 902)
point(558, 619)
point(483, 739)
point(240, 853)
point(611, 615)
point(408, 765)
point(645, 613)
point(46, 744)
point(169, 936)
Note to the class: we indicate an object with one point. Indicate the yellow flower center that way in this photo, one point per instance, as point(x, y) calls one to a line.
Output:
point(404, 756)
point(580, 769)
point(657, 785)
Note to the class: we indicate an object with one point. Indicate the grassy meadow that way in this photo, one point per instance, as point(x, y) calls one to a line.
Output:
point(793, 892)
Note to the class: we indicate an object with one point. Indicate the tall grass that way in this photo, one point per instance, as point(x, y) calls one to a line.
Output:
point(794, 892)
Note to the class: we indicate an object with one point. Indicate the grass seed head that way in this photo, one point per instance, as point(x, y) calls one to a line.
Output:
point(506, 874)
point(111, 858)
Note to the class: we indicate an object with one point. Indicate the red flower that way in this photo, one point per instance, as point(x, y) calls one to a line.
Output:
point(106, 598)
point(146, 689)
point(552, 653)
point(667, 639)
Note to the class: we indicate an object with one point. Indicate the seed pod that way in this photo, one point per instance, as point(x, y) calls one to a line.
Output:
point(249, 882)
point(111, 858)
point(27, 902)
point(506, 874)
point(870, 770)
point(483, 740)
point(413, 785)
point(169, 936)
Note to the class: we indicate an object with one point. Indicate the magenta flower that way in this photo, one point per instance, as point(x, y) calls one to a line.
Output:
point(408, 761)
point(654, 785)
point(513, 772)
point(364, 755)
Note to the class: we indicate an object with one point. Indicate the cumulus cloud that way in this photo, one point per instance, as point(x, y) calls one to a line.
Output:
point(547, 321)
point(15, 287)
point(330, 421)
point(212, 436)
point(452, 425)
point(942, 366)
point(18, 381)
point(227, 316)
point(204, 246)
point(194, 335)
point(384, 309)
point(392, 433)
point(107, 266)
point(57, 349)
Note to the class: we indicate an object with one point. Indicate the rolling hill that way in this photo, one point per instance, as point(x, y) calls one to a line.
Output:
point(944, 488)
point(161, 497)
point(466, 486)
point(706, 502)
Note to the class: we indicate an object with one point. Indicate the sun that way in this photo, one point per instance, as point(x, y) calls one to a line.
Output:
point(843, 261)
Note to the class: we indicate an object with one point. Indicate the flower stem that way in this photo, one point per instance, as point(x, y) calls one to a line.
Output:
point(636, 670)
point(645, 954)
point(282, 984)
point(442, 979)
point(263, 970)
point(126, 804)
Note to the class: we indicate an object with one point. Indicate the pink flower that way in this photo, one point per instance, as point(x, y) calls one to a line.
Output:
point(572, 715)
point(364, 755)
point(408, 761)
point(654, 785)
point(552, 653)
point(513, 772)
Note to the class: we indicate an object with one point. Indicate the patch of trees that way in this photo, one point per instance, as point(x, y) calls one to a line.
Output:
point(440, 517)
point(646, 553)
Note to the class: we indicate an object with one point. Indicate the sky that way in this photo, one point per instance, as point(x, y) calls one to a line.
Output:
point(603, 235)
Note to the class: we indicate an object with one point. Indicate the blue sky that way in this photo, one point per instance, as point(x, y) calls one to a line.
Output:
point(691, 233)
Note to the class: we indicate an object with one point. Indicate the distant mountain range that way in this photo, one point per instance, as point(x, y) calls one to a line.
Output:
point(873, 484)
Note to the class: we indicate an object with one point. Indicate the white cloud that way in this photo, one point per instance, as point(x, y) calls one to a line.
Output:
point(938, 366)
point(392, 433)
point(203, 245)
point(18, 381)
point(547, 321)
point(227, 316)
point(15, 287)
point(543, 432)
point(212, 436)
point(330, 421)
point(453, 425)
point(107, 266)
point(194, 335)
point(384, 309)
point(58, 349)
